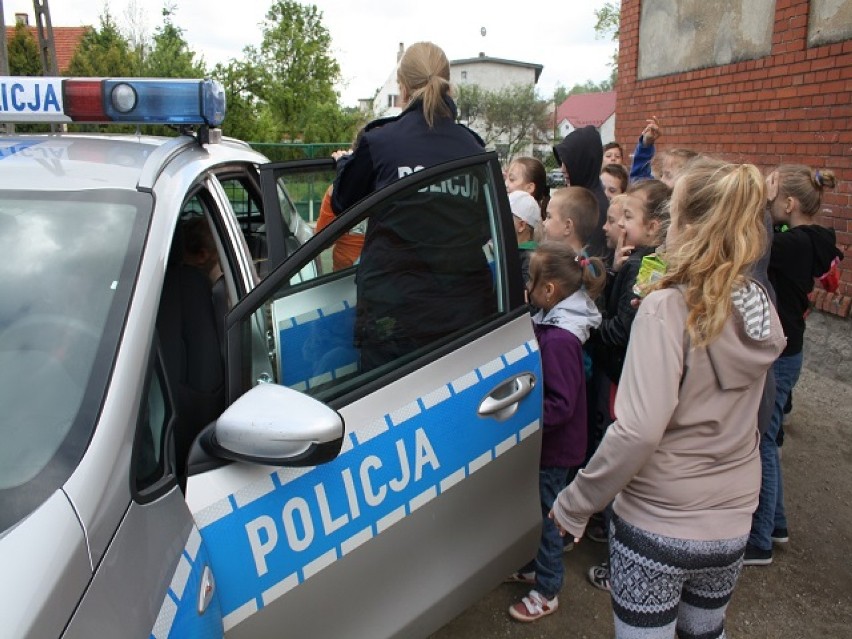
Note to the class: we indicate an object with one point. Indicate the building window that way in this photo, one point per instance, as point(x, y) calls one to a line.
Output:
point(464, 75)
point(392, 101)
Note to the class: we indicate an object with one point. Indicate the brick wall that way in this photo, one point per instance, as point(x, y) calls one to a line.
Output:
point(794, 105)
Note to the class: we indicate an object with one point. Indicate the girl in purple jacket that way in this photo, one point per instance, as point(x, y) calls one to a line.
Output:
point(562, 284)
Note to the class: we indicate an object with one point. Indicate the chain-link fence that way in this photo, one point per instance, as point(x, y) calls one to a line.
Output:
point(286, 151)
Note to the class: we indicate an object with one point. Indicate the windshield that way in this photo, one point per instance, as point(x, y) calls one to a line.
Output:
point(69, 264)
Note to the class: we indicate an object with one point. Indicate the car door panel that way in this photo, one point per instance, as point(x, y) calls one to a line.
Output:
point(407, 584)
point(271, 531)
point(432, 498)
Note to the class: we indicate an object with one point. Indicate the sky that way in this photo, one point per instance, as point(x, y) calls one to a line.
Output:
point(558, 34)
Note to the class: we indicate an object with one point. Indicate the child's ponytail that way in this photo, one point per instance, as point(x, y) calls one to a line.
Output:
point(594, 274)
point(823, 179)
point(570, 270)
point(805, 185)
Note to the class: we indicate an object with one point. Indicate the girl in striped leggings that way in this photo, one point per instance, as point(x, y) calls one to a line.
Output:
point(682, 460)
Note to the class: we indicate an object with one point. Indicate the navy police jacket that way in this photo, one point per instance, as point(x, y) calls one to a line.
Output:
point(391, 148)
point(422, 274)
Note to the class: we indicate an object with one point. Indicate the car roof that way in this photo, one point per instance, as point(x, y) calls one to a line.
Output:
point(63, 162)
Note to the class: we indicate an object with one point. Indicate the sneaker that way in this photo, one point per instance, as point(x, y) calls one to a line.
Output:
point(755, 556)
point(780, 536)
point(599, 576)
point(521, 578)
point(597, 533)
point(568, 545)
point(533, 607)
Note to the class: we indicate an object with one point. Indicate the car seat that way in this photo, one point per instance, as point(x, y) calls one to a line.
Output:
point(190, 350)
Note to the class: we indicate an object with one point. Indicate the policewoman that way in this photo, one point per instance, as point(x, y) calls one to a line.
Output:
point(423, 273)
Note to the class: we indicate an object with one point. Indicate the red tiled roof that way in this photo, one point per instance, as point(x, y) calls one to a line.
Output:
point(587, 108)
point(65, 39)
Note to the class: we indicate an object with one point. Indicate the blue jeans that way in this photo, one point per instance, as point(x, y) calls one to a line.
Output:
point(770, 510)
point(547, 564)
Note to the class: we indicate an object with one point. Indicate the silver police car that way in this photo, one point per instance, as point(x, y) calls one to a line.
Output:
point(191, 445)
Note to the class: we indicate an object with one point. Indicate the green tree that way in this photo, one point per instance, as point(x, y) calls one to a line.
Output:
point(295, 70)
point(248, 117)
point(104, 52)
point(330, 123)
point(510, 119)
point(590, 86)
point(609, 26)
point(24, 57)
point(170, 55)
point(609, 19)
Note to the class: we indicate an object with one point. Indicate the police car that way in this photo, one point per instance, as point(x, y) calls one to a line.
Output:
point(190, 447)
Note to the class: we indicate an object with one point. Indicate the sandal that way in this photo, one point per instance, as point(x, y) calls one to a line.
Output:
point(599, 576)
point(534, 606)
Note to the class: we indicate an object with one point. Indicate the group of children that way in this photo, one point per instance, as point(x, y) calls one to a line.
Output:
point(584, 305)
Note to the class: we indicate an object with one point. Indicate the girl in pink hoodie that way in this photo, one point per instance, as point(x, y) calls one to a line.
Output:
point(682, 459)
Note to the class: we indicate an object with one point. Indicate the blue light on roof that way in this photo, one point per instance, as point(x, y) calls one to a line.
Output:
point(126, 100)
point(164, 101)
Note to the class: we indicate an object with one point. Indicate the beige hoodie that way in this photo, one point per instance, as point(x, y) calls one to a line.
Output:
point(682, 458)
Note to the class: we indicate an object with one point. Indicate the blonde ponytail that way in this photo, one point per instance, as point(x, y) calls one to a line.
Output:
point(720, 209)
point(424, 74)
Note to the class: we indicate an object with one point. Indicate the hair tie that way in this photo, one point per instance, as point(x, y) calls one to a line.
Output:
point(818, 178)
point(582, 261)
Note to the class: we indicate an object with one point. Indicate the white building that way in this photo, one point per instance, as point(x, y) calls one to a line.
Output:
point(493, 74)
point(386, 102)
point(489, 73)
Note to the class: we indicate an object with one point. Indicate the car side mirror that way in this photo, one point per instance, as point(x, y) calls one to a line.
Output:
point(276, 425)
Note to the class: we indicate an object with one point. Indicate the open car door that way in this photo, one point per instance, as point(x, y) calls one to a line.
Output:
point(423, 343)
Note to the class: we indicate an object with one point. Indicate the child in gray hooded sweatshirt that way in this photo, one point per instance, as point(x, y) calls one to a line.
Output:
point(561, 281)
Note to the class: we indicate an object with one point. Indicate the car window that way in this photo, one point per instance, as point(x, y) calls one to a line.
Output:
point(270, 241)
point(245, 203)
point(419, 272)
point(68, 269)
point(151, 447)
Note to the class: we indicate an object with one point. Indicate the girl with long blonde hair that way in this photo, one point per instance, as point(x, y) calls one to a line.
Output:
point(681, 460)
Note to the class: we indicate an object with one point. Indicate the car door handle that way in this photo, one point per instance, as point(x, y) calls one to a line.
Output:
point(502, 402)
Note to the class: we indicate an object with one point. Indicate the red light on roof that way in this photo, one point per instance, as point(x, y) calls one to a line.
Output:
point(84, 100)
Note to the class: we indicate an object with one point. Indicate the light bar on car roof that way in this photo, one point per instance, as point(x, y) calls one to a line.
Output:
point(116, 100)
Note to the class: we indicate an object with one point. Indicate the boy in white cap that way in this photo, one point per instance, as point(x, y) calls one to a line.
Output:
point(526, 214)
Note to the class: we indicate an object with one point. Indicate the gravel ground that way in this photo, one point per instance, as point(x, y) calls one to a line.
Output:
point(807, 591)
